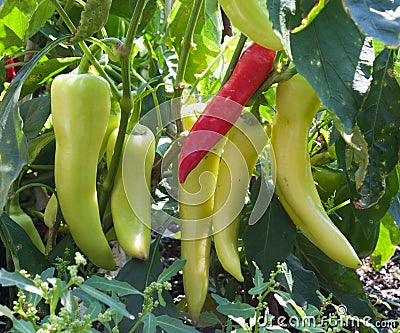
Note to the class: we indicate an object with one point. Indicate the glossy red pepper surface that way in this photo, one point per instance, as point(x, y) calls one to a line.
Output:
point(224, 109)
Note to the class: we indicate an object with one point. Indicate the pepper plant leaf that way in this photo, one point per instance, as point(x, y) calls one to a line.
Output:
point(276, 233)
point(24, 253)
point(13, 147)
point(343, 282)
point(379, 122)
point(20, 20)
point(44, 71)
point(93, 17)
point(378, 19)
point(301, 283)
point(389, 238)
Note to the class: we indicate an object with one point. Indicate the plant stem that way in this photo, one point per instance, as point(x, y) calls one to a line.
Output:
point(86, 49)
point(203, 74)
point(235, 58)
point(126, 103)
point(187, 44)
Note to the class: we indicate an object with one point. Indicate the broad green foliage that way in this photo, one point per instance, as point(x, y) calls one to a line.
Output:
point(378, 19)
point(347, 50)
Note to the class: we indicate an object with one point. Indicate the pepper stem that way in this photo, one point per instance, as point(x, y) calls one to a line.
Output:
point(187, 44)
point(86, 50)
point(126, 104)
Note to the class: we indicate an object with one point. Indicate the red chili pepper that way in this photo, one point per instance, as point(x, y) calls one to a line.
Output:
point(10, 71)
point(221, 113)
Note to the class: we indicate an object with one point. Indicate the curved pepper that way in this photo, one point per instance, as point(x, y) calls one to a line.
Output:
point(196, 203)
point(17, 214)
point(251, 71)
point(130, 196)
point(246, 139)
point(296, 105)
point(80, 106)
point(333, 182)
point(50, 212)
point(252, 18)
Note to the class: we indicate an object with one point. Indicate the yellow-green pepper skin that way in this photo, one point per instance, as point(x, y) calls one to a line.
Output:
point(80, 107)
point(196, 202)
point(50, 212)
point(130, 196)
point(296, 105)
point(252, 19)
point(246, 139)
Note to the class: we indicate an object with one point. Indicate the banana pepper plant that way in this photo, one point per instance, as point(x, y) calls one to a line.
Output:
point(82, 158)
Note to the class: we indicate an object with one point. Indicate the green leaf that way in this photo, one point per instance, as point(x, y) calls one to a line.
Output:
point(14, 22)
point(8, 279)
point(213, 21)
point(149, 323)
point(103, 298)
point(43, 12)
point(22, 326)
point(139, 274)
point(300, 283)
point(93, 17)
point(288, 304)
point(36, 145)
point(148, 13)
point(68, 301)
point(34, 114)
point(259, 284)
point(343, 282)
point(379, 121)
point(5, 311)
point(173, 325)
point(200, 56)
point(178, 20)
point(45, 70)
point(274, 235)
point(219, 299)
point(334, 57)
point(378, 19)
point(94, 310)
point(13, 150)
point(395, 209)
point(368, 218)
point(210, 318)
point(171, 271)
point(237, 310)
point(121, 8)
point(105, 284)
point(389, 239)
point(24, 253)
point(19, 326)
point(20, 20)
point(58, 287)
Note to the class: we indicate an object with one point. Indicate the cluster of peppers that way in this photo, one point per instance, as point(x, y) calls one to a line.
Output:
point(233, 133)
point(84, 130)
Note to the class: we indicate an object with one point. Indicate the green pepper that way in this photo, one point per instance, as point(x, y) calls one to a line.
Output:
point(252, 19)
point(113, 122)
point(80, 107)
point(196, 201)
point(130, 196)
point(18, 215)
point(296, 105)
point(246, 139)
point(332, 183)
point(50, 212)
